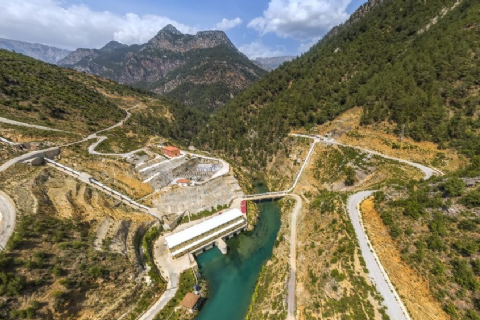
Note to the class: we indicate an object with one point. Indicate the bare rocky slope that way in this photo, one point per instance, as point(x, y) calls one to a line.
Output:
point(204, 70)
point(35, 50)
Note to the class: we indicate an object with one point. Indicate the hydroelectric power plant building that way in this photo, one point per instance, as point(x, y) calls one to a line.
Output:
point(204, 235)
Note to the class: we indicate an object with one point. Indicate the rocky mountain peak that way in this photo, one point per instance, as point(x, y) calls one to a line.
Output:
point(169, 29)
point(215, 36)
point(79, 54)
point(169, 38)
point(203, 69)
point(112, 45)
point(362, 11)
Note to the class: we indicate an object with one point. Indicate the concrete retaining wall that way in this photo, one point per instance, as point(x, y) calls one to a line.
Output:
point(195, 199)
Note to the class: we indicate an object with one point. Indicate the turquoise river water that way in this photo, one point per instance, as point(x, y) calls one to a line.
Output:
point(232, 277)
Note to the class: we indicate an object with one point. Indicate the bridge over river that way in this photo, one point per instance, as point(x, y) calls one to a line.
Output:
point(280, 194)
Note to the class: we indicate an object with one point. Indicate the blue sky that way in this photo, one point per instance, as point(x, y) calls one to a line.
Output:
point(257, 28)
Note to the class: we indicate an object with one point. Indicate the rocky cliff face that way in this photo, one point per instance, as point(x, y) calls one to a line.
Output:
point(363, 10)
point(79, 55)
point(272, 63)
point(203, 70)
point(173, 40)
point(35, 50)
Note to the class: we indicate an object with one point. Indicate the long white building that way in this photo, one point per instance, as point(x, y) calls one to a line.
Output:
point(203, 235)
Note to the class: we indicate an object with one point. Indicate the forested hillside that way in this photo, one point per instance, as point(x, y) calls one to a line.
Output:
point(38, 93)
point(413, 63)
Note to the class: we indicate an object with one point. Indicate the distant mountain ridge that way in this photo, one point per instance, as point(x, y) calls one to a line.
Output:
point(272, 63)
point(35, 50)
point(169, 38)
point(204, 70)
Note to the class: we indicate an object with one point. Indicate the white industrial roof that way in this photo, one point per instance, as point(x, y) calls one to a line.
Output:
point(210, 236)
point(198, 229)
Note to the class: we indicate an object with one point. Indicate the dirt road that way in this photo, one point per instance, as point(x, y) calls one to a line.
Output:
point(7, 219)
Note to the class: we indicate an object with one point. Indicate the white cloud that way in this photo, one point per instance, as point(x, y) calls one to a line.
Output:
point(301, 19)
point(48, 22)
point(257, 49)
point(226, 24)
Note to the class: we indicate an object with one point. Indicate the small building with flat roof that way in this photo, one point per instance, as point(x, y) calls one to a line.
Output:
point(171, 152)
point(203, 235)
point(243, 206)
point(190, 301)
point(183, 182)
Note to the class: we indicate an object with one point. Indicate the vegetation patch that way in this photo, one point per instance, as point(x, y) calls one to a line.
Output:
point(436, 227)
point(173, 310)
point(60, 272)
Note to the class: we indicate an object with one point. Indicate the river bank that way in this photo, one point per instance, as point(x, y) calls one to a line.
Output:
point(232, 278)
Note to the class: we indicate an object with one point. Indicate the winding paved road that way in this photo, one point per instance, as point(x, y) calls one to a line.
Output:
point(23, 124)
point(100, 139)
point(91, 148)
point(24, 157)
point(427, 171)
point(7, 219)
point(293, 258)
point(168, 295)
point(395, 308)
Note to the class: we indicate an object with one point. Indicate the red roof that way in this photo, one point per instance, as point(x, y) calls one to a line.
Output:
point(170, 148)
point(183, 181)
point(190, 300)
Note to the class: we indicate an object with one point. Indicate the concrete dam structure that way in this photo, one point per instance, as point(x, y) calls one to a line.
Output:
point(206, 234)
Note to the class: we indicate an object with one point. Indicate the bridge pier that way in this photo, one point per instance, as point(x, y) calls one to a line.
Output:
point(222, 246)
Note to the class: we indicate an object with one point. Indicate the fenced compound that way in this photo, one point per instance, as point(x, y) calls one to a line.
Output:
point(195, 169)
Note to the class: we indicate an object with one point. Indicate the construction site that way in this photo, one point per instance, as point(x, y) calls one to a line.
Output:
point(162, 172)
point(187, 182)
